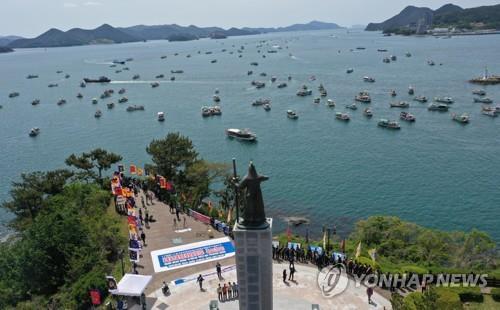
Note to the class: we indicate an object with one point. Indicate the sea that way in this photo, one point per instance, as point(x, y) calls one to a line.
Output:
point(435, 172)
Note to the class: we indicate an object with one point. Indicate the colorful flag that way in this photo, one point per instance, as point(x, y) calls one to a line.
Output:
point(163, 182)
point(324, 237)
point(358, 250)
point(139, 171)
point(133, 169)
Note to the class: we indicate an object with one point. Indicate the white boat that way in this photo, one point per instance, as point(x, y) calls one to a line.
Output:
point(241, 134)
point(97, 114)
point(368, 79)
point(463, 118)
point(317, 100)
point(350, 70)
point(399, 104)
point(34, 132)
point(483, 100)
point(363, 96)
point(94, 101)
point(422, 99)
point(292, 114)
point(352, 106)
point(368, 112)
point(489, 113)
point(407, 117)
point(267, 107)
point(342, 116)
point(161, 116)
point(479, 92)
point(330, 103)
point(447, 100)
point(384, 123)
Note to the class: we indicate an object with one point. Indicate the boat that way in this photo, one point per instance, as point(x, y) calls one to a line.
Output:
point(176, 71)
point(155, 84)
point(79, 96)
point(206, 111)
point(479, 92)
point(447, 100)
point(216, 110)
point(67, 76)
point(386, 60)
point(241, 134)
point(411, 91)
point(350, 70)
point(273, 79)
point(161, 116)
point(160, 76)
point(381, 50)
point(121, 91)
point(172, 78)
point(393, 93)
point(216, 98)
point(330, 103)
point(83, 85)
point(119, 62)
point(351, 106)
point(368, 112)
point(110, 105)
point(59, 71)
point(292, 114)
point(407, 117)
point(35, 102)
point(35, 131)
point(61, 102)
point(363, 96)
point(129, 59)
point(260, 102)
point(384, 123)
point(360, 48)
point(136, 77)
point(101, 79)
point(317, 100)
point(258, 84)
point(463, 118)
point(282, 85)
point(254, 64)
point(490, 113)
point(399, 104)
point(163, 57)
point(97, 114)
point(441, 107)
point(132, 108)
point(32, 76)
point(216, 91)
point(430, 63)
point(213, 61)
point(289, 78)
point(304, 91)
point(408, 54)
point(94, 101)
point(267, 107)
point(263, 74)
point(422, 99)
point(122, 100)
point(368, 79)
point(53, 85)
point(486, 79)
point(342, 116)
point(393, 57)
point(483, 100)
point(249, 72)
point(13, 95)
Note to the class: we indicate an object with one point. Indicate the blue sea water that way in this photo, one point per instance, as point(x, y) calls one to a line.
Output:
point(434, 172)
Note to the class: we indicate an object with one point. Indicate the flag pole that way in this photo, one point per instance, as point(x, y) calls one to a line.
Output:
point(236, 196)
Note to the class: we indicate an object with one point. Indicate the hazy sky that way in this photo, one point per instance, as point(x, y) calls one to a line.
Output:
point(32, 17)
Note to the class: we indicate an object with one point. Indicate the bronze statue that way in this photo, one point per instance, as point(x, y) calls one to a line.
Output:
point(252, 213)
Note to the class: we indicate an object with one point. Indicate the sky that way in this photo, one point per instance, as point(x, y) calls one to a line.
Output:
point(30, 18)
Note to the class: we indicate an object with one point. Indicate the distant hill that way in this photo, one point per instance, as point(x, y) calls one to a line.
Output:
point(76, 36)
point(4, 49)
point(449, 15)
point(173, 32)
point(7, 39)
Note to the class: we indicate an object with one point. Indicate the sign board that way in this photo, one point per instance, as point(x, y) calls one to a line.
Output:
point(192, 254)
point(293, 245)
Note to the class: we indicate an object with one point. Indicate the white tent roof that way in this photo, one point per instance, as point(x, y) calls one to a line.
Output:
point(132, 285)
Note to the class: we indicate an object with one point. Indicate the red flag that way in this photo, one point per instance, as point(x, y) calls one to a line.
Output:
point(131, 219)
point(118, 191)
point(133, 169)
point(169, 186)
point(163, 182)
point(95, 296)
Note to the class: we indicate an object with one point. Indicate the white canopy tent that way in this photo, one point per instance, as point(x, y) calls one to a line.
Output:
point(132, 285)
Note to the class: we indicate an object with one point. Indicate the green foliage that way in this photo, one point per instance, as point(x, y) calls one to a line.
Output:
point(397, 302)
point(469, 18)
point(495, 294)
point(448, 299)
point(471, 296)
point(96, 159)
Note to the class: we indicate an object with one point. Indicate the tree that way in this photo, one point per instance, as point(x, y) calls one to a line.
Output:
point(104, 159)
point(84, 163)
point(98, 158)
point(397, 301)
point(172, 154)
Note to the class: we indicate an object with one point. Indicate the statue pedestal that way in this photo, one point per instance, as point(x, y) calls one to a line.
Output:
point(254, 266)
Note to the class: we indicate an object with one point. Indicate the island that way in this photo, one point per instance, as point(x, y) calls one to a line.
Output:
point(4, 49)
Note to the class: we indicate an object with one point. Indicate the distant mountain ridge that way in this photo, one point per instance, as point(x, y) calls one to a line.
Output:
point(449, 15)
point(4, 40)
point(108, 34)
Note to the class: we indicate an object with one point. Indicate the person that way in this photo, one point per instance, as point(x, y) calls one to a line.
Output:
point(235, 290)
point(219, 271)
point(184, 224)
point(142, 201)
point(200, 280)
point(369, 292)
point(224, 291)
point(219, 292)
point(143, 237)
point(175, 223)
point(284, 275)
point(292, 272)
point(177, 214)
point(165, 289)
point(229, 291)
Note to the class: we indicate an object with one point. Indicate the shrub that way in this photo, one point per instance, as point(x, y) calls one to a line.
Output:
point(470, 296)
point(495, 294)
point(448, 300)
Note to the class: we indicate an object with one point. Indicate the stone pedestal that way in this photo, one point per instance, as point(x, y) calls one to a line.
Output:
point(254, 266)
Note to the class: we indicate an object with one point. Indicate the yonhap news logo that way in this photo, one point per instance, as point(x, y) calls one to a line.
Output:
point(332, 280)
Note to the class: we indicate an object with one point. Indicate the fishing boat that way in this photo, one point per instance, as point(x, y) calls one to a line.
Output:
point(342, 116)
point(489, 113)
point(206, 111)
point(213, 61)
point(163, 57)
point(79, 96)
point(408, 54)
point(83, 85)
point(122, 91)
point(486, 79)
point(254, 64)
point(367, 112)
point(399, 104)
point(53, 85)
point(351, 106)
point(216, 110)
point(136, 77)
point(122, 100)
point(110, 105)
point(273, 79)
point(155, 84)
point(483, 100)
point(407, 117)
point(101, 79)
point(13, 95)
point(282, 85)
point(35, 102)
point(97, 114)
point(384, 123)
point(161, 116)
point(258, 84)
point(292, 114)
point(61, 102)
point(241, 134)
point(317, 100)
point(260, 102)
point(35, 131)
point(393, 93)
point(463, 118)
point(479, 92)
point(176, 71)
point(267, 107)
point(411, 90)
point(447, 100)
point(393, 57)
point(249, 72)
point(32, 76)
point(350, 70)
point(160, 76)
point(363, 96)
point(216, 98)
point(304, 91)
point(289, 77)
point(263, 74)
point(67, 76)
point(430, 63)
point(441, 107)
point(381, 50)
point(216, 91)
point(386, 60)
point(94, 101)
point(368, 79)
point(132, 108)
point(422, 99)
point(330, 103)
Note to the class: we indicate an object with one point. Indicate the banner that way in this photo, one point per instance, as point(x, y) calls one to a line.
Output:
point(293, 245)
point(95, 296)
point(133, 254)
point(318, 249)
point(133, 169)
point(200, 217)
point(192, 254)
